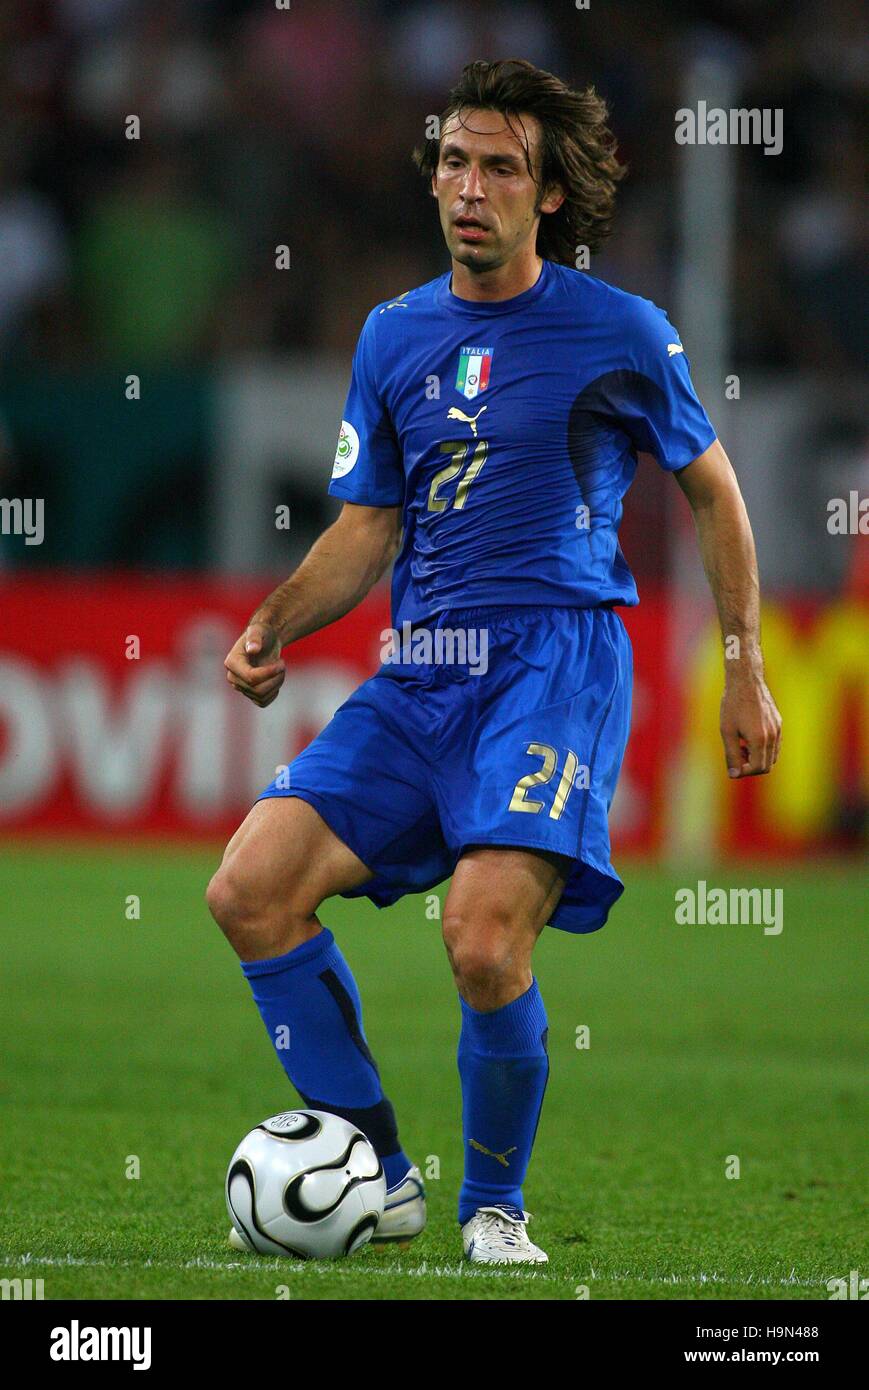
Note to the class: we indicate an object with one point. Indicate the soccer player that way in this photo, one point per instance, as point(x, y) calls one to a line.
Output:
point(492, 428)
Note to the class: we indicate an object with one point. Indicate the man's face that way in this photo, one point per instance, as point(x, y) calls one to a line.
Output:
point(486, 196)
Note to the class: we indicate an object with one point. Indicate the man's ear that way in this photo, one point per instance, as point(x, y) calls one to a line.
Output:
point(553, 198)
point(434, 185)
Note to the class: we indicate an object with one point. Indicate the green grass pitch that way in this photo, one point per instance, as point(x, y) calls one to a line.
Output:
point(123, 1037)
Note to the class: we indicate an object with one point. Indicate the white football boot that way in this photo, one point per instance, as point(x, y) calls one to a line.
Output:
point(403, 1211)
point(497, 1236)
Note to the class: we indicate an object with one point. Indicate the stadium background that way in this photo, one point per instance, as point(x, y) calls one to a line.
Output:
point(166, 389)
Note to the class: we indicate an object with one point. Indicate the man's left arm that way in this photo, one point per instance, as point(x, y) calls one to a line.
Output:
point(750, 722)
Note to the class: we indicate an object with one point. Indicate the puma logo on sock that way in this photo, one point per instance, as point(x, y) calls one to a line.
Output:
point(499, 1158)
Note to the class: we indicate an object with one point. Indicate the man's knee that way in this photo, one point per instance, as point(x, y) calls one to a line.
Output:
point(253, 918)
point(229, 898)
point(489, 953)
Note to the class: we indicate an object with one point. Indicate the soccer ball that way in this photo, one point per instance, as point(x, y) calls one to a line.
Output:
point(305, 1183)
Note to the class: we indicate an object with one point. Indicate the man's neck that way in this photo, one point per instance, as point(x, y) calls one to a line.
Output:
point(502, 282)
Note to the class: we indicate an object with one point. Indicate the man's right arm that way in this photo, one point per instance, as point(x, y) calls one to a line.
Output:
point(336, 574)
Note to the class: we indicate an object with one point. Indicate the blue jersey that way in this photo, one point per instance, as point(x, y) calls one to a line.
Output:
point(508, 432)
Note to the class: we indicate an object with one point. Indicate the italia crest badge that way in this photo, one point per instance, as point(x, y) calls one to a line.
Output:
point(475, 365)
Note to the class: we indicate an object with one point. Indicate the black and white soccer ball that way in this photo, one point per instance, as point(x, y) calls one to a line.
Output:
point(305, 1183)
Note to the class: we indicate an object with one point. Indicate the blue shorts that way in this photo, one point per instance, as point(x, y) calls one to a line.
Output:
point(428, 757)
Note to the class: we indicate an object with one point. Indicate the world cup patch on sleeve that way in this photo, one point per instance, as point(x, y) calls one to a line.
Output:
point(348, 450)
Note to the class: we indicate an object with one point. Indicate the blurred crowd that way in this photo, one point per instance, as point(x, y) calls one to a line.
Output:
point(262, 125)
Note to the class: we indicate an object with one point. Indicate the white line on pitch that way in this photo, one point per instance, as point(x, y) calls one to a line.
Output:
point(424, 1270)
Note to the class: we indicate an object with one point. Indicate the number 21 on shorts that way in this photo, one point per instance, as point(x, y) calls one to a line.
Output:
point(574, 774)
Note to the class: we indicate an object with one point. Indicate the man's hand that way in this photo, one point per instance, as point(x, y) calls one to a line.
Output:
point(254, 665)
point(750, 725)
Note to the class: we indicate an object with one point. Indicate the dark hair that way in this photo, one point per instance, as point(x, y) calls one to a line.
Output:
point(578, 148)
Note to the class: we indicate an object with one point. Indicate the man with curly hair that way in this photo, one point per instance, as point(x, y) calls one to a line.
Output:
point(493, 425)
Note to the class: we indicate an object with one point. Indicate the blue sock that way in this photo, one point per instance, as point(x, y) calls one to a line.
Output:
point(504, 1068)
point(311, 1008)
